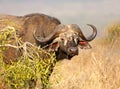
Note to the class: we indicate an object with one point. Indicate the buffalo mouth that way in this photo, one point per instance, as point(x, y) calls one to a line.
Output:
point(70, 56)
point(73, 54)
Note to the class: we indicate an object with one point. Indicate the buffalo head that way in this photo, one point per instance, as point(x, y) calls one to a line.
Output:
point(66, 38)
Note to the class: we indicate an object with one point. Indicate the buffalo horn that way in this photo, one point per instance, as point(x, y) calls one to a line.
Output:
point(59, 29)
point(78, 30)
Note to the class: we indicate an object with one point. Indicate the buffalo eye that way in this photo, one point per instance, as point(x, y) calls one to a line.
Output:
point(62, 39)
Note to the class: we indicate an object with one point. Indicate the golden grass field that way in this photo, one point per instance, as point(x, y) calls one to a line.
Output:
point(96, 68)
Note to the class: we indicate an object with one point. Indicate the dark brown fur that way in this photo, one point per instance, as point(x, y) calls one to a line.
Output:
point(42, 24)
point(26, 25)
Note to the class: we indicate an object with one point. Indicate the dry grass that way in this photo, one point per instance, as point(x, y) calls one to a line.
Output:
point(96, 68)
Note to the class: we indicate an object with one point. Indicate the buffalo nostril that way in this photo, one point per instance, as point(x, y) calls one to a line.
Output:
point(70, 50)
point(73, 50)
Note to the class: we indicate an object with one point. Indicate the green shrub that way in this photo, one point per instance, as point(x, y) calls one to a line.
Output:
point(34, 63)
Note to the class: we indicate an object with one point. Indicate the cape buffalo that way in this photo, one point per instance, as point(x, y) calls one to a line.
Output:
point(44, 30)
point(48, 33)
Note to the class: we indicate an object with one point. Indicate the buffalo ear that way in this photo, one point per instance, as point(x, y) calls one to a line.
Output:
point(84, 45)
point(54, 46)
